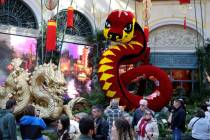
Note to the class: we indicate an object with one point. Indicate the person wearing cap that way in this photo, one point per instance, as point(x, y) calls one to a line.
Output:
point(147, 127)
point(178, 119)
point(139, 112)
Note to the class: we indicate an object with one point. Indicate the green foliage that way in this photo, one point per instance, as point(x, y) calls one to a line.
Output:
point(200, 97)
point(164, 130)
point(203, 54)
point(50, 135)
point(97, 98)
point(94, 98)
point(149, 87)
point(85, 110)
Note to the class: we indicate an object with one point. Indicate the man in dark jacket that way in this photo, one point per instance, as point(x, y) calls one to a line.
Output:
point(7, 121)
point(102, 126)
point(178, 119)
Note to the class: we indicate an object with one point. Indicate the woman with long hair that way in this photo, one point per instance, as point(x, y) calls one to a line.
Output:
point(63, 125)
point(121, 130)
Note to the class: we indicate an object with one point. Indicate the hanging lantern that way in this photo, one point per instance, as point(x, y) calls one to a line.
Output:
point(51, 4)
point(184, 1)
point(185, 7)
point(70, 17)
point(2, 2)
point(51, 36)
point(146, 32)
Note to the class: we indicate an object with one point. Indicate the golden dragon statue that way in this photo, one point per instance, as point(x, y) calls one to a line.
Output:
point(43, 88)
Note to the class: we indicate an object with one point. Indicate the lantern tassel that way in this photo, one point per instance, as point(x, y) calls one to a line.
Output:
point(185, 23)
point(70, 17)
point(51, 36)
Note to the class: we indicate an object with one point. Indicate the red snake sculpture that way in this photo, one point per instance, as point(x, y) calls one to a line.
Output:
point(122, 27)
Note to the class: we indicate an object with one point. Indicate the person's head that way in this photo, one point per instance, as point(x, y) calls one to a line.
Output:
point(148, 115)
point(79, 116)
point(178, 103)
point(114, 103)
point(200, 113)
point(10, 104)
point(204, 107)
point(97, 111)
point(86, 126)
point(63, 123)
point(29, 110)
point(143, 104)
point(208, 108)
point(122, 127)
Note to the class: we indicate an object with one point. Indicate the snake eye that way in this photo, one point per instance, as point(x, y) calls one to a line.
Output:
point(128, 28)
point(107, 24)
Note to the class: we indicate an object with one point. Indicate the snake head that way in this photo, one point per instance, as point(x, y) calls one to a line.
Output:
point(119, 26)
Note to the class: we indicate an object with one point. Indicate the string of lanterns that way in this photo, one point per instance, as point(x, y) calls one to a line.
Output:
point(52, 24)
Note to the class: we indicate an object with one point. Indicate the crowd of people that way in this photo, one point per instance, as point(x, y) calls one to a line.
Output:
point(113, 123)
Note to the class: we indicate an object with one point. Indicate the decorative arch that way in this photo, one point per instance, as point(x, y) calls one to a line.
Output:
point(17, 13)
point(35, 6)
point(90, 16)
point(174, 37)
point(82, 26)
point(176, 21)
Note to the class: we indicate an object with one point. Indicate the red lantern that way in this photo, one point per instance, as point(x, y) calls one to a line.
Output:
point(50, 4)
point(70, 17)
point(184, 1)
point(146, 32)
point(2, 2)
point(51, 36)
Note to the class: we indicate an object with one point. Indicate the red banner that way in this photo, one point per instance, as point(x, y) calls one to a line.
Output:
point(70, 17)
point(51, 36)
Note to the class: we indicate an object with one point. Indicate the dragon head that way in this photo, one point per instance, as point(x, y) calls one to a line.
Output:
point(119, 26)
point(48, 86)
point(52, 81)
